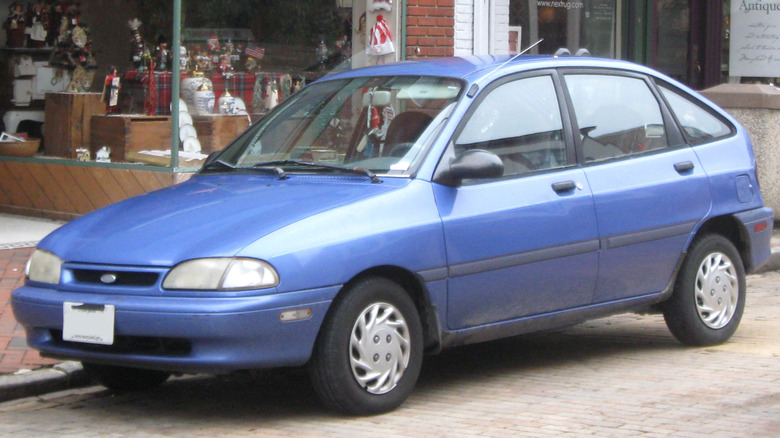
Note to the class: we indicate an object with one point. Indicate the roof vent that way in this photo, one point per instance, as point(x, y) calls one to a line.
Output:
point(582, 52)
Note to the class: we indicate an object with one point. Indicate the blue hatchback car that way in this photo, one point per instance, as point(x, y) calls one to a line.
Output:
point(384, 213)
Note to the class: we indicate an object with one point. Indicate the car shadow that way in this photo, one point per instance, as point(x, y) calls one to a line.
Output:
point(275, 396)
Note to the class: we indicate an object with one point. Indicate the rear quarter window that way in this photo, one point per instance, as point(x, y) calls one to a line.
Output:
point(699, 123)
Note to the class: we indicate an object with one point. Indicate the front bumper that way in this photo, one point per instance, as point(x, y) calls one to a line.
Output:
point(181, 334)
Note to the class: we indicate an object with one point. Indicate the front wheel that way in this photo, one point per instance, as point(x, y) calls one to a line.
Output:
point(369, 351)
point(124, 379)
point(709, 295)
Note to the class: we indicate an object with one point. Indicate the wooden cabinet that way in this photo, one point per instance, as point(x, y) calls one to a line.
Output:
point(130, 133)
point(217, 131)
point(68, 118)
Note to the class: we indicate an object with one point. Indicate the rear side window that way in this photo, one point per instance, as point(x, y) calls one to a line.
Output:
point(617, 115)
point(699, 124)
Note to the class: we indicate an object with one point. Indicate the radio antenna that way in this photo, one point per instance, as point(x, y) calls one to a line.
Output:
point(514, 57)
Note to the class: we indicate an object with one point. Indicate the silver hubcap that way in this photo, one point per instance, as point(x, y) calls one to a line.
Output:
point(379, 348)
point(717, 290)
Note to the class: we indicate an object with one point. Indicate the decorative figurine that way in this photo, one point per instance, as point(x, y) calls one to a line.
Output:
point(37, 23)
point(111, 91)
point(184, 59)
point(377, 5)
point(14, 26)
point(103, 155)
point(271, 95)
point(322, 52)
point(137, 44)
point(162, 55)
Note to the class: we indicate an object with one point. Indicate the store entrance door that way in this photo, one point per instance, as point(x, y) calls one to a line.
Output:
point(686, 40)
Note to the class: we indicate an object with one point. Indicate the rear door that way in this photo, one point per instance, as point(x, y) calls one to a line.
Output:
point(648, 186)
point(526, 243)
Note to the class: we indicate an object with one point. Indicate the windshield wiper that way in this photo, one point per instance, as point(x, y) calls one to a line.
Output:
point(351, 170)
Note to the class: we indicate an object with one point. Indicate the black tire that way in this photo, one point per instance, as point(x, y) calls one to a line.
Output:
point(709, 294)
point(124, 379)
point(336, 367)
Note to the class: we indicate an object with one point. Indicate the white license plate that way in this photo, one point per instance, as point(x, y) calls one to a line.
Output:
point(88, 323)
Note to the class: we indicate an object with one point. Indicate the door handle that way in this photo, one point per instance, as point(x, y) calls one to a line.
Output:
point(685, 166)
point(564, 186)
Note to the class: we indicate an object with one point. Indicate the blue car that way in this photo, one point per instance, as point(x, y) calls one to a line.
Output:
point(386, 213)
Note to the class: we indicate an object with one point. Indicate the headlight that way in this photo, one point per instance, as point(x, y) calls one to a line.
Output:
point(43, 267)
point(221, 274)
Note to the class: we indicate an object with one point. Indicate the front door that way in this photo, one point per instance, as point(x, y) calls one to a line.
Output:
point(524, 244)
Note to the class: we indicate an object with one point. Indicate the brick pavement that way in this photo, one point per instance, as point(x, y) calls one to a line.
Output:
point(14, 353)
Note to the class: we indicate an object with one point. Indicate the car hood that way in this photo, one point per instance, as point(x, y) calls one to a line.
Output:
point(207, 216)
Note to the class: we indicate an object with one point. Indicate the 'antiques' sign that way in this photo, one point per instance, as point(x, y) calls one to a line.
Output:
point(754, 49)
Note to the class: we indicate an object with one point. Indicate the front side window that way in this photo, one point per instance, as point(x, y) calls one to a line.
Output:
point(520, 121)
point(382, 124)
point(616, 115)
point(699, 124)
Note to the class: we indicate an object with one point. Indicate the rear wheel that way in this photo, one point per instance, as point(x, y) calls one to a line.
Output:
point(369, 352)
point(124, 379)
point(709, 295)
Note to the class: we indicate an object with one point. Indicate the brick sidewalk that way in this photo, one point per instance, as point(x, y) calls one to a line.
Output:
point(14, 353)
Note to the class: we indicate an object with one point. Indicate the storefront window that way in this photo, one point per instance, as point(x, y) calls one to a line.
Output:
point(109, 67)
point(589, 24)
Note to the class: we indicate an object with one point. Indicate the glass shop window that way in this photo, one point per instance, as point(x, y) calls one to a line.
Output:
point(590, 24)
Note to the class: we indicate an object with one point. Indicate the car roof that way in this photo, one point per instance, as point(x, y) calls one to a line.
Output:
point(475, 68)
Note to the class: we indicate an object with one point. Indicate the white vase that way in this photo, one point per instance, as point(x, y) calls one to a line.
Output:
point(204, 101)
point(191, 84)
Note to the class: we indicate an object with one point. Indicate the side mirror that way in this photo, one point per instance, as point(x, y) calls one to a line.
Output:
point(472, 164)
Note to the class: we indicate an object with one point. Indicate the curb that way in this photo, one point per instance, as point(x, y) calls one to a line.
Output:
point(65, 375)
point(69, 375)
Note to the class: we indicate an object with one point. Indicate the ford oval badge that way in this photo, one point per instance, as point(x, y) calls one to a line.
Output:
point(108, 278)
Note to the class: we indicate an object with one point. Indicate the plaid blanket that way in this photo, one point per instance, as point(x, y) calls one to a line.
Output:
point(134, 84)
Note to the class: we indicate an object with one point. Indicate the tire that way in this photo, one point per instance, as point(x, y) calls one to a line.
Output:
point(124, 379)
point(709, 294)
point(369, 351)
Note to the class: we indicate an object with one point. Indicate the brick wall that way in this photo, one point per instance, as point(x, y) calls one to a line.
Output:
point(430, 28)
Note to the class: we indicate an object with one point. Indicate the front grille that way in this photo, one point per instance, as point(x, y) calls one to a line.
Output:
point(130, 345)
point(123, 278)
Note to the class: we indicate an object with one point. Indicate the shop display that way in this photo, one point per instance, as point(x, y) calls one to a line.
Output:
point(229, 76)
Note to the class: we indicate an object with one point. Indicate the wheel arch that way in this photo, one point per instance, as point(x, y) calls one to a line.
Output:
point(413, 285)
point(729, 227)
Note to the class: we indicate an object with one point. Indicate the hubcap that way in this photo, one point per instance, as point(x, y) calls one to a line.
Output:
point(717, 290)
point(379, 348)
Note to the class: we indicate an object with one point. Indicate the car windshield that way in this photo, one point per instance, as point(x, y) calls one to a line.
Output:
point(381, 125)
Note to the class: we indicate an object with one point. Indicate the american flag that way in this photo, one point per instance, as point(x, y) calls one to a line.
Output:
point(255, 52)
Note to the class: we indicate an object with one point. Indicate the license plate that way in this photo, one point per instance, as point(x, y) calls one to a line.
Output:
point(88, 323)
